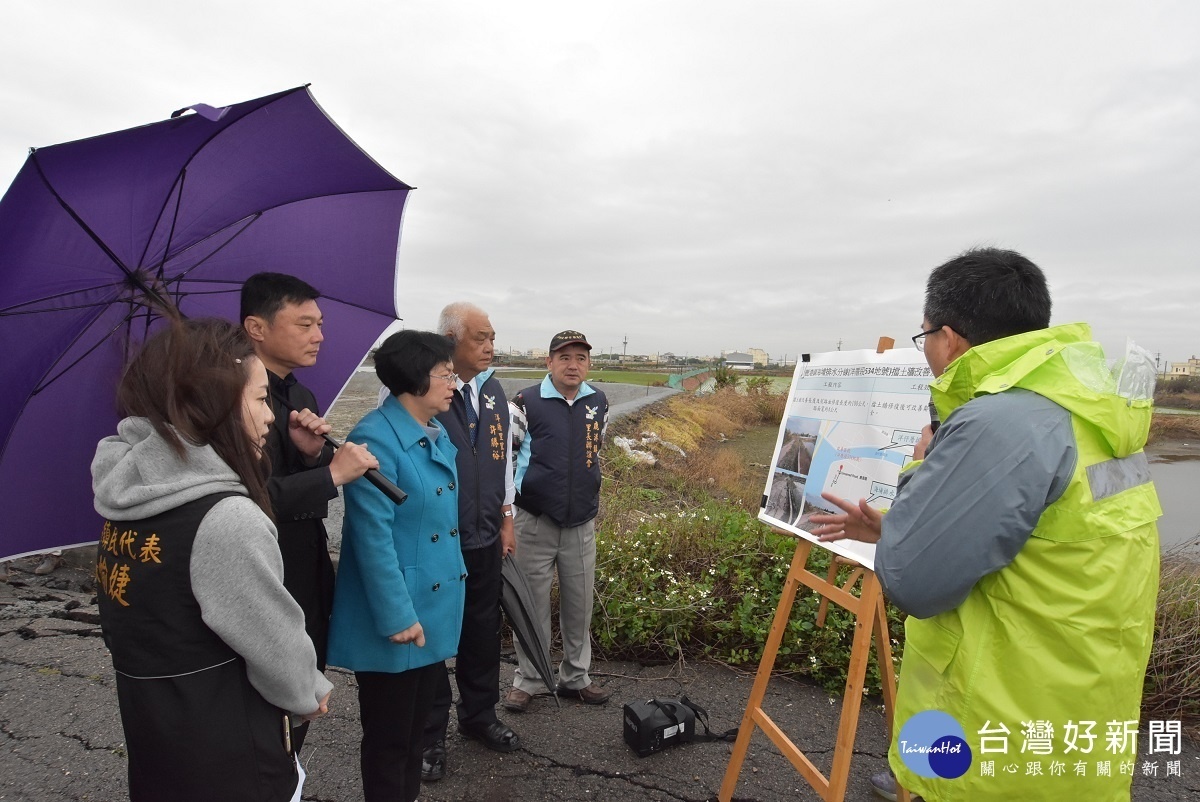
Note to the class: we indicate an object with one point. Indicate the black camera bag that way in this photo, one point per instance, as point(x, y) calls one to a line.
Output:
point(655, 724)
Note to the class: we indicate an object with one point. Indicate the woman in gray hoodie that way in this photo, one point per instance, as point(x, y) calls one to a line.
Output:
point(213, 665)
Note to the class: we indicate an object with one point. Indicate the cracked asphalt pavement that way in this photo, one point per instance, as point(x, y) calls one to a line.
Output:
point(63, 738)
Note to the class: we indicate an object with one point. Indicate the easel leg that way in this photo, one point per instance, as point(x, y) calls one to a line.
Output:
point(864, 627)
point(782, 613)
point(831, 579)
point(870, 622)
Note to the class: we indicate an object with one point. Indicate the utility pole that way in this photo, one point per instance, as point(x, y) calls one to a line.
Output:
point(624, 348)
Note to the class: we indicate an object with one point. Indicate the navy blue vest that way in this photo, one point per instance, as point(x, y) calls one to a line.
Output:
point(150, 618)
point(562, 480)
point(480, 469)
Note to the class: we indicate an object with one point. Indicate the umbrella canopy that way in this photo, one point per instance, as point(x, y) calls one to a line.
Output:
point(96, 235)
point(517, 601)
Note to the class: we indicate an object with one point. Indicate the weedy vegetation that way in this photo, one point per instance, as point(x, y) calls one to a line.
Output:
point(1172, 690)
point(685, 571)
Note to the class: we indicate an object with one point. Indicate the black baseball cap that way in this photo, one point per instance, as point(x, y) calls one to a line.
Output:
point(568, 337)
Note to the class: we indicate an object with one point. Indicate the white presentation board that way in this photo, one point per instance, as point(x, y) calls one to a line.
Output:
point(851, 422)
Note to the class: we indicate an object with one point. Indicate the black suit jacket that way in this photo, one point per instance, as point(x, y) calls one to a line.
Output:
point(300, 496)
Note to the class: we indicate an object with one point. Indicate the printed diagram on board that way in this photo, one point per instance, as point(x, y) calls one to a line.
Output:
point(861, 461)
point(851, 425)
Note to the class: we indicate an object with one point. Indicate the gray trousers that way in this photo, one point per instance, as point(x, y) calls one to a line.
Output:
point(542, 547)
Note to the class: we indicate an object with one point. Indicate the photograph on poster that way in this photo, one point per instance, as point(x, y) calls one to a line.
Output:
point(853, 418)
point(799, 442)
point(785, 499)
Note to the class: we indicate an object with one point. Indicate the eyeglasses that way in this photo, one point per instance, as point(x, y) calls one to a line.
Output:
point(919, 339)
point(449, 378)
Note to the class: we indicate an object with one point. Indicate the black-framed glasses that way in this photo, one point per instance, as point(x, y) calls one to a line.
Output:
point(449, 378)
point(919, 339)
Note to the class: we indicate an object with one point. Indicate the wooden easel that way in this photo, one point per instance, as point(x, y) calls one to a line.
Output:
point(870, 622)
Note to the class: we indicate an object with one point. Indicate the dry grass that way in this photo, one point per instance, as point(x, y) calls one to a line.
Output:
point(1172, 690)
point(696, 424)
point(726, 475)
point(1174, 427)
point(1178, 400)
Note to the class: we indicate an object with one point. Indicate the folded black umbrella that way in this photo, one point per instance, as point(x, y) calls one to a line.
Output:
point(517, 601)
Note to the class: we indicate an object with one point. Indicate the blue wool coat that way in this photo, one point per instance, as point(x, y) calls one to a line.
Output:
point(400, 563)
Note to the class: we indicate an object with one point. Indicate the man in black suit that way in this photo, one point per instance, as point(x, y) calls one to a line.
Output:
point(282, 318)
point(477, 423)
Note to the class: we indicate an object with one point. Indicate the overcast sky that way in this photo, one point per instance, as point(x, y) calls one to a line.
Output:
point(699, 176)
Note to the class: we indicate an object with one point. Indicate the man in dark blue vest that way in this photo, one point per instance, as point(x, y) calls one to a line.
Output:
point(558, 428)
point(478, 423)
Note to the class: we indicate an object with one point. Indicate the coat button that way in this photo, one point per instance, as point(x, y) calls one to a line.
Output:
point(451, 485)
point(423, 442)
point(439, 491)
point(434, 538)
point(437, 585)
point(453, 533)
point(461, 577)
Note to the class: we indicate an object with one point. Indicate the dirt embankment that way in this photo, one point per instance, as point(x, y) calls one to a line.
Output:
point(1165, 428)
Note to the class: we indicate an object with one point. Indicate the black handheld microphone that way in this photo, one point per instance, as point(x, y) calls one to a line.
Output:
point(385, 485)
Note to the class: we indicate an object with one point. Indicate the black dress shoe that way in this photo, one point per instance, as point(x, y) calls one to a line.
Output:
point(494, 736)
point(433, 763)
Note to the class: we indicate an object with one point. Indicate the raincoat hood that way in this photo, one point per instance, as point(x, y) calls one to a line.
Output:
point(1065, 365)
point(136, 474)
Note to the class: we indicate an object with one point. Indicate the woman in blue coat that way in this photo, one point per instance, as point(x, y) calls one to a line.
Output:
point(398, 603)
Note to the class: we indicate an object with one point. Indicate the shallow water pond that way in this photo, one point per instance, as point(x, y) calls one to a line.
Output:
point(1177, 477)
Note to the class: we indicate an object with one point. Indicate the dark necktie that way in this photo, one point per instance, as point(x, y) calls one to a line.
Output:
point(472, 415)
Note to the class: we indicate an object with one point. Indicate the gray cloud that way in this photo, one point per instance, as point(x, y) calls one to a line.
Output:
point(701, 176)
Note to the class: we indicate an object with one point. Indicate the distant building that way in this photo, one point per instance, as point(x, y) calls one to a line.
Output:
point(1189, 368)
point(738, 360)
point(759, 356)
point(538, 353)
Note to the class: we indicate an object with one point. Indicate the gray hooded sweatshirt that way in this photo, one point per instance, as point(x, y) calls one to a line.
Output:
point(236, 570)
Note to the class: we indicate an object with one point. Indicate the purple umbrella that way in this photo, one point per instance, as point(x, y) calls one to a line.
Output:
point(96, 234)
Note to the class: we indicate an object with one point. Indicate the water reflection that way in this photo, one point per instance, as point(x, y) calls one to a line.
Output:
point(1177, 477)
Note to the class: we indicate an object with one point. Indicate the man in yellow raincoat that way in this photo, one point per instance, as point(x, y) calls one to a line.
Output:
point(1024, 548)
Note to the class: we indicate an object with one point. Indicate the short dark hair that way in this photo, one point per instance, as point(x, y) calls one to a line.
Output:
point(188, 381)
point(985, 294)
point(264, 294)
point(405, 359)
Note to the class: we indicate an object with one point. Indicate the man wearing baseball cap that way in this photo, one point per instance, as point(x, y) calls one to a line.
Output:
point(557, 430)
